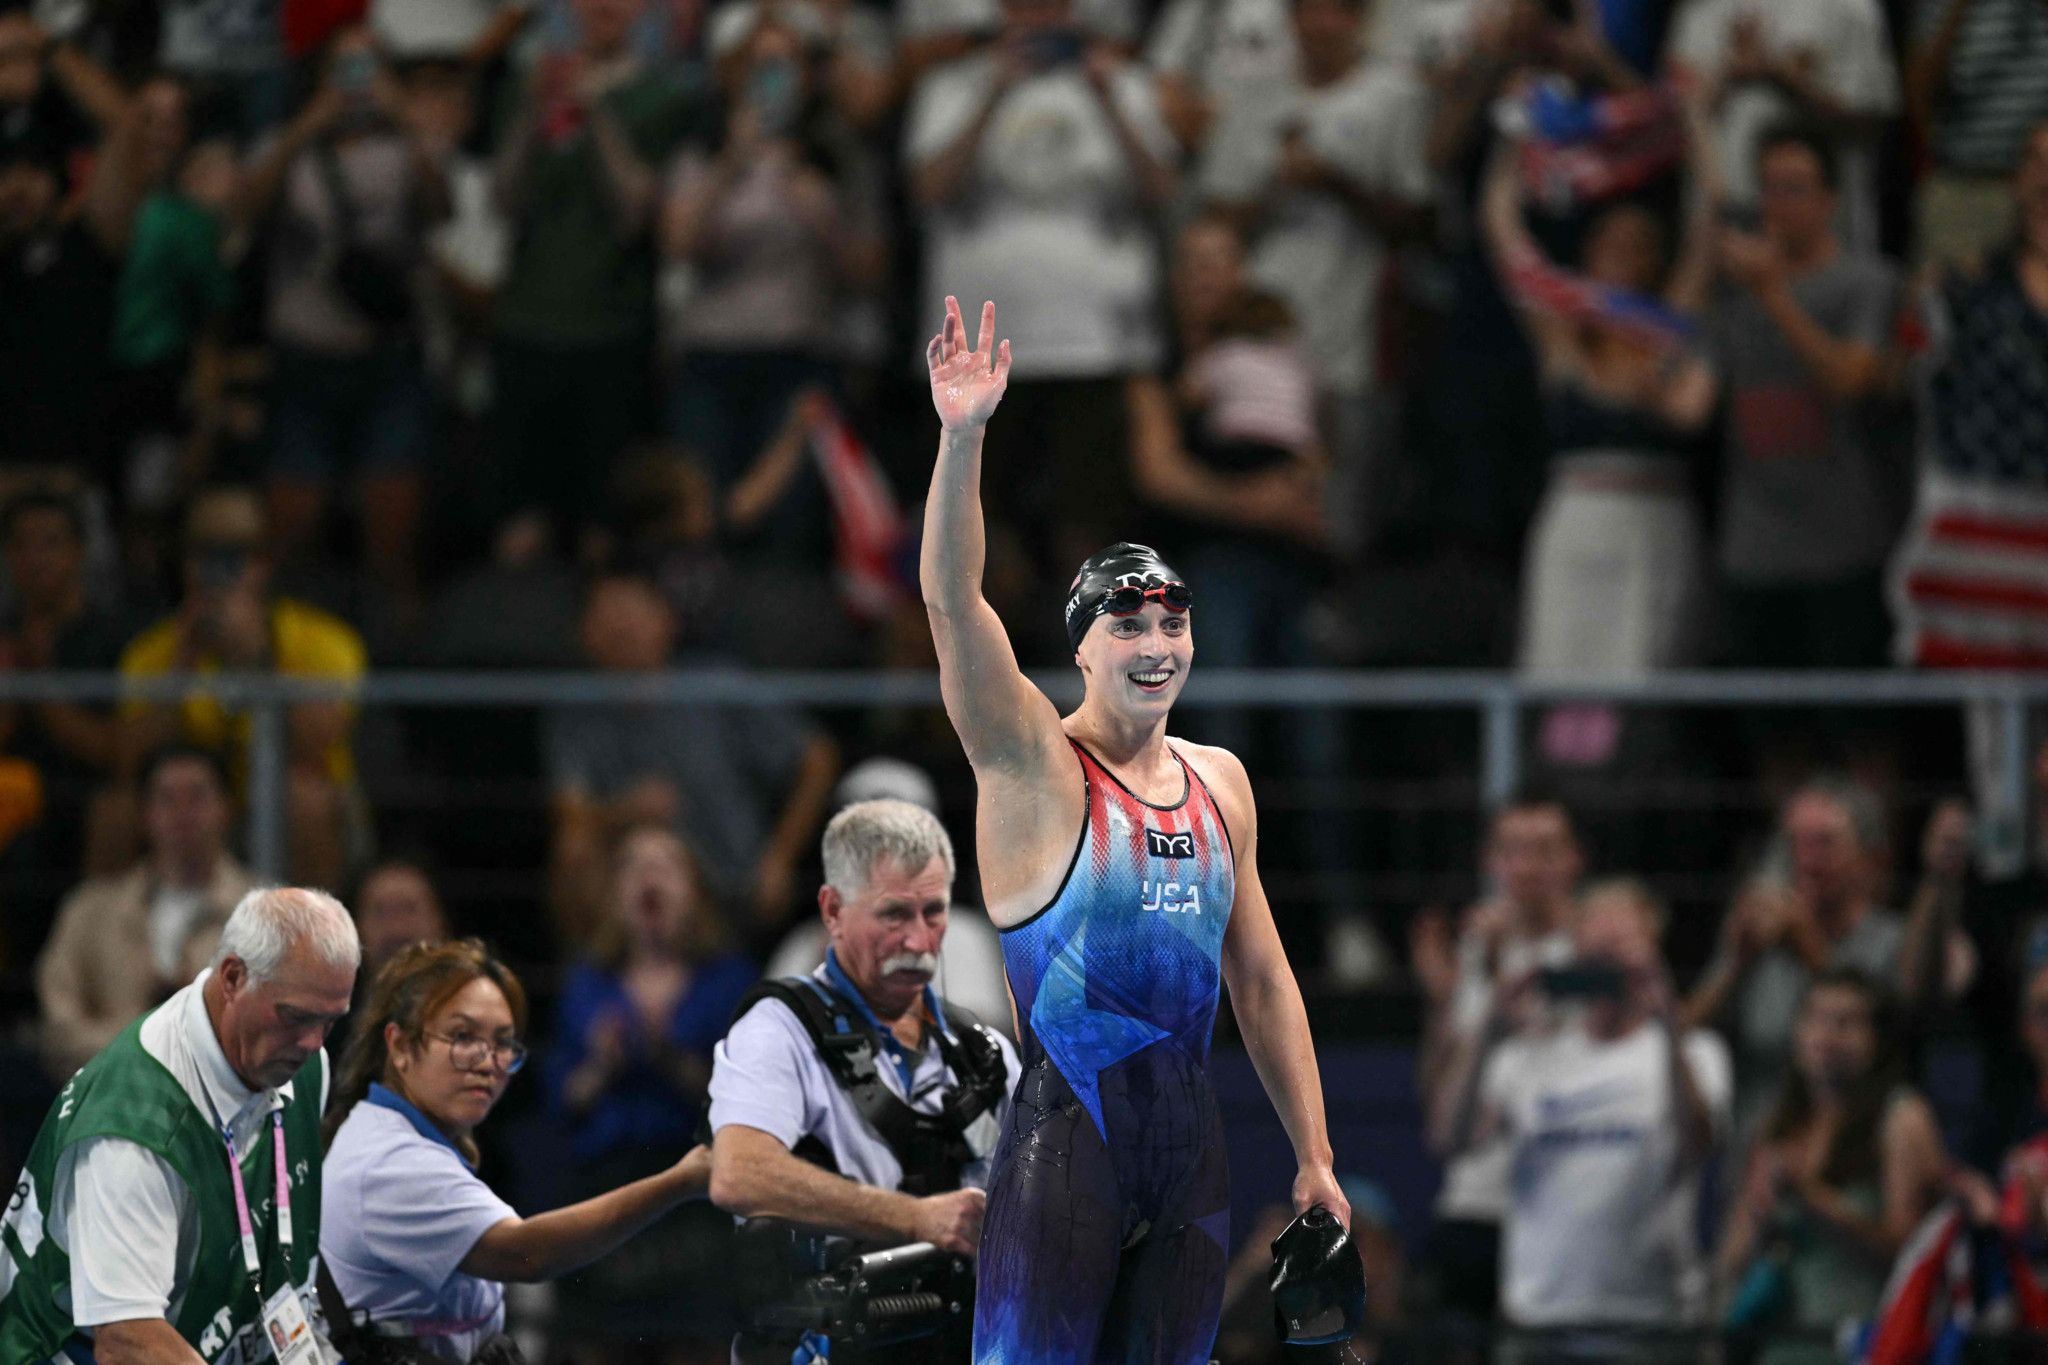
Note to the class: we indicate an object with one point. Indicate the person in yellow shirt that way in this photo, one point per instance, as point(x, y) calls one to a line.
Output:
point(230, 621)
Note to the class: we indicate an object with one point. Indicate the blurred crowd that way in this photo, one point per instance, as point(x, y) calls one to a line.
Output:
point(352, 334)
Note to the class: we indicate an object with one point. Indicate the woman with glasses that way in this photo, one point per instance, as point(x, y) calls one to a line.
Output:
point(416, 1243)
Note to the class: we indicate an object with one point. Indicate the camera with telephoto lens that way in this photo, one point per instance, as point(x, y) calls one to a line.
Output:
point(879, 1298)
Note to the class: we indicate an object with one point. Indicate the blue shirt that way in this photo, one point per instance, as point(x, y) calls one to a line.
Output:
point(643, 1108)
point(399, 1210)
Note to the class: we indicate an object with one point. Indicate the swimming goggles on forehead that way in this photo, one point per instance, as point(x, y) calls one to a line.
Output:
point(1129, 601)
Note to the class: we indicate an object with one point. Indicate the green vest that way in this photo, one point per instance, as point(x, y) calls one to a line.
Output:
point(126, 1093)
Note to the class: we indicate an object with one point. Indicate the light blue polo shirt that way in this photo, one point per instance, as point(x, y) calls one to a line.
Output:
point(767, 1074)
point(399, 1209)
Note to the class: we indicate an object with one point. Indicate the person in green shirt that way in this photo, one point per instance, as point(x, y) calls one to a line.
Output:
point(148, 1226)
point(578, 177)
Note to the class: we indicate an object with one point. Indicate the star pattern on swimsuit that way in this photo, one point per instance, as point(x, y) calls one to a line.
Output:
point(1080, 1039)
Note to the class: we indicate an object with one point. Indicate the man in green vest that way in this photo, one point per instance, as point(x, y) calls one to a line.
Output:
point(147, 1227)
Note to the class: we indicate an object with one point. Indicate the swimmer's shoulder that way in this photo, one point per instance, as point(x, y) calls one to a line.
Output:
point(1223, 773)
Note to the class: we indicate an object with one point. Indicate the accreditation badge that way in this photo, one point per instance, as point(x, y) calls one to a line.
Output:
point(291, 1336)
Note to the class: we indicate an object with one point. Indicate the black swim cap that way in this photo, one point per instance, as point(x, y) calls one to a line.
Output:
point(1121, 565)
point(1318, 1282)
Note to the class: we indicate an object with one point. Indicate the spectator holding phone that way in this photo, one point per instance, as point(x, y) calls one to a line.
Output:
point(1785, 927)
point(578, 179)
point(231, 621)
point(775, 234)
point(1609, 1121)
point(1326, 172)
point(348, 189)
point(1038, 166)
point(1848, 1162)
point(1533, 863)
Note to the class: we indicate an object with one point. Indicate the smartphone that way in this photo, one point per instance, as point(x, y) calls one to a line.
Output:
point(220, 567)
point(1058, 47)
point(775, 90)
point(355, 72)
point(1583, 981)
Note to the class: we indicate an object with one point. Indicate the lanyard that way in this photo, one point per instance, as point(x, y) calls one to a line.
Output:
point(283, 1201)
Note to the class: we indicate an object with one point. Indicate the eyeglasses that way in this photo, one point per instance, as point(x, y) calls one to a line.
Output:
point(468, 1051)
point(1129, 601)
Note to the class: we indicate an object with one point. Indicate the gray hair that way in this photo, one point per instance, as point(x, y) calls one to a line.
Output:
point(866, 832)
point(271, 921)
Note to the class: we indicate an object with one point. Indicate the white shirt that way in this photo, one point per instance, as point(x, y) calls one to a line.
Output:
point(1597, 1229)
point(129, 1205)
point(1115, 19)
point(1224, 47)
point(1310, 248)
point(1854, 64)
point(767, 1074)
point(1050, 222)
point(1423, 34)
point(1476, 1183)
point(434, 28)
point(399, 1211)
point(172, 911)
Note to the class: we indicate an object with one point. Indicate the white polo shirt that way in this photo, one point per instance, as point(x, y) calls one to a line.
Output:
point(129, 1205)
point(399, 1210)
point(767, 1074)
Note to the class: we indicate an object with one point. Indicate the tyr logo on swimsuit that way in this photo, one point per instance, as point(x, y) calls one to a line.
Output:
point(1160, 845)
point(1172, 898)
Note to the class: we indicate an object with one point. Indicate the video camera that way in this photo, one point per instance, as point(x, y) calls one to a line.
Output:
point(876, 1299)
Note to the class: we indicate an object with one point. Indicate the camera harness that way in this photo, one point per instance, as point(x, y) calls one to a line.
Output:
point(933, 1149)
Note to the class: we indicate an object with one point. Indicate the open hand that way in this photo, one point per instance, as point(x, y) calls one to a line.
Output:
point(1945, 846)
point(967, 385)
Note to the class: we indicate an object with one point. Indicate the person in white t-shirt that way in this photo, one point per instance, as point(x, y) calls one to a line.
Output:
point(1038, 166)
point(1764, 64)
point(1213, 54)
point(1326, 170)
point(1533, 864)
point(1609, 1120)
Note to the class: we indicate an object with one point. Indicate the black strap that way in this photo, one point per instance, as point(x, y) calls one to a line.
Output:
point(931, 1148)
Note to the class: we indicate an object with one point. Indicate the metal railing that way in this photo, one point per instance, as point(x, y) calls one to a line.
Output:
point(1500, 704)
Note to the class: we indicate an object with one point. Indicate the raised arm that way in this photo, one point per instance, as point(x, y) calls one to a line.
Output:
point(1527, 276)
point(1693, 271)
point(1004, 722)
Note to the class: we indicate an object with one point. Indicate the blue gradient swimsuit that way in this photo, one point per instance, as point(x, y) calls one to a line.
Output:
point(1107, 1226)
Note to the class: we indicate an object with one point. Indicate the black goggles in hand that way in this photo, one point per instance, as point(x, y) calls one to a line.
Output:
point(1129, 601)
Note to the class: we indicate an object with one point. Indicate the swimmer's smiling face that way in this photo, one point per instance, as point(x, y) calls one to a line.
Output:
point(1138, 663)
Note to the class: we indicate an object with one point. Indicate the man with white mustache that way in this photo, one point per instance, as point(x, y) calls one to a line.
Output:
point(893, 1148)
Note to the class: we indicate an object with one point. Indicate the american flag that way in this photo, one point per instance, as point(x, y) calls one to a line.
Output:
point(1970, 582)
point(868, 527)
